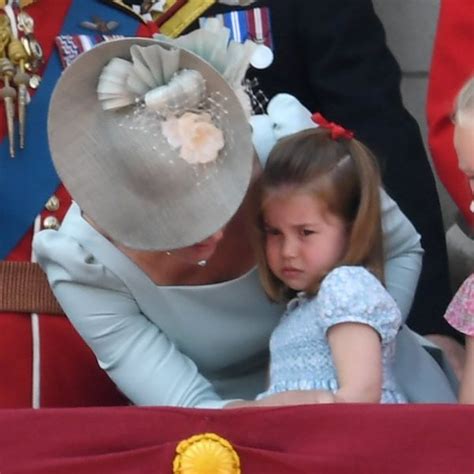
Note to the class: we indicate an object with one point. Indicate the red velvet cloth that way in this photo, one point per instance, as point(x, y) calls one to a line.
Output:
point(452, 65)
point(329, 439)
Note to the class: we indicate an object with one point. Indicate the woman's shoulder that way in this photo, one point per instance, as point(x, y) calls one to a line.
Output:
point(66, 254)
point(61, 244)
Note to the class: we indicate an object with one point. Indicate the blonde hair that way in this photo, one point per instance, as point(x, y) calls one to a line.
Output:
point(342, 173)
point(464, 104)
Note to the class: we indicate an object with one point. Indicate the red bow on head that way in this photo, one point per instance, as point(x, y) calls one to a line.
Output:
point(336, 130)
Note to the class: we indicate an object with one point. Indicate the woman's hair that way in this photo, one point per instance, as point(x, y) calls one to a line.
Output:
point(464, 103)
point(342, 173)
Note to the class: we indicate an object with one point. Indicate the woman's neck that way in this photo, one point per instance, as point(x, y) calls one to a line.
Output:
point(232, 258)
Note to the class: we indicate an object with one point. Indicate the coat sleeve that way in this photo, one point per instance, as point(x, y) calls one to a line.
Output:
point(144, 364)
point(403, 254)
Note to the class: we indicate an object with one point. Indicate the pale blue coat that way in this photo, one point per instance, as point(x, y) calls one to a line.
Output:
point(198, 346)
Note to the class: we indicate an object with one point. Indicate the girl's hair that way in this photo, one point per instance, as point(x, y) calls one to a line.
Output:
point(344, 174)
point(464, 103)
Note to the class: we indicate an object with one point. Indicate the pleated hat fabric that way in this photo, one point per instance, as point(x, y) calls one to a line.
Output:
point(125, 177)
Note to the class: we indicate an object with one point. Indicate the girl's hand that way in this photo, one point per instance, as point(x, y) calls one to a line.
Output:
point(298, 397)
point(291, 397)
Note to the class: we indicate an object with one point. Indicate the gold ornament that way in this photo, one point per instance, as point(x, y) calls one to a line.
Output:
point(18, 56)
point(7, 92)
point(189, 12)
point(206, 453)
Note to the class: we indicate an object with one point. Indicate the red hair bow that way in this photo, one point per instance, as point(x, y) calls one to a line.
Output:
point(337, 131)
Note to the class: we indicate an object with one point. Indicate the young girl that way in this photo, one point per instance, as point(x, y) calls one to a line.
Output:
point(320, 249)
point(460, 313)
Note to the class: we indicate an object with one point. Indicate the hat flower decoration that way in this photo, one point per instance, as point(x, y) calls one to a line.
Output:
point(154, 80)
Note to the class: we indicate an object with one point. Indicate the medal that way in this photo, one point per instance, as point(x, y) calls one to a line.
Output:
point(262, 57)
point(254, 25)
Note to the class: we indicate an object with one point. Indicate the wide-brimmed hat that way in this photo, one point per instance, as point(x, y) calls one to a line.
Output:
point(150, 178)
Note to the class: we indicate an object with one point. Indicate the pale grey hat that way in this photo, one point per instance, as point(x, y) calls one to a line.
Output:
point(141, 186)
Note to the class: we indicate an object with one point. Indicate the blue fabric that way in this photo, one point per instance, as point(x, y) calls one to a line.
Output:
point(28, 180)
point(300, 353)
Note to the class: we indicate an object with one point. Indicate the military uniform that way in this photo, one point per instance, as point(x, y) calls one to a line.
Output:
point(43, 361)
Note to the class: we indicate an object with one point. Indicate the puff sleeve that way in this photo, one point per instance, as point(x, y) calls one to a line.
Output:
point(352, 294)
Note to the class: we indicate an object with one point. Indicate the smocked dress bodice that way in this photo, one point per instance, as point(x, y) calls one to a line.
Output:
point(300, 353)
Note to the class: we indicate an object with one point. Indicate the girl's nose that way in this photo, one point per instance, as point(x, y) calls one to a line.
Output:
point(288, 248)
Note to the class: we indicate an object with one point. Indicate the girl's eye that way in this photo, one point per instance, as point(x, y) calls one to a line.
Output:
point(306, 232)
point(271, 231)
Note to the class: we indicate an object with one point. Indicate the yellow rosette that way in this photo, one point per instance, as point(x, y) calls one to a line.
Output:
point(206, 453)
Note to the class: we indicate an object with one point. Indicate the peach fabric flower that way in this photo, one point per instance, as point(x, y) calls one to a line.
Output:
point(198, 139)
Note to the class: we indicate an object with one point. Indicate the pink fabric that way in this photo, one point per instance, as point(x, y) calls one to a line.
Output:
point(460, 312)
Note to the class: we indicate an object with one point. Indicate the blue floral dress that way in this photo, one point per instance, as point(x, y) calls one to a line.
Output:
point(300, 353)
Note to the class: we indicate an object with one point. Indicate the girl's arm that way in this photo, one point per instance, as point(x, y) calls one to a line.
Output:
point(357, 356)
point(358, 317)
point(466, 391)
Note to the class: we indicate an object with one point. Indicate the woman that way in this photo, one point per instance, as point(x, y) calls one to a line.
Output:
point(153, 264)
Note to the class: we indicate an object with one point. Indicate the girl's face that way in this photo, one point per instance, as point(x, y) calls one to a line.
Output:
point(303, 240)
point(464, 145)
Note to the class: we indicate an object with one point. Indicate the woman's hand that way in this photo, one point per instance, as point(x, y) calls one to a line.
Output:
point(291, 397)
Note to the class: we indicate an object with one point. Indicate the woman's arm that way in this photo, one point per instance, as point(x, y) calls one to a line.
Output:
point(146, 366)
point(403, 254)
